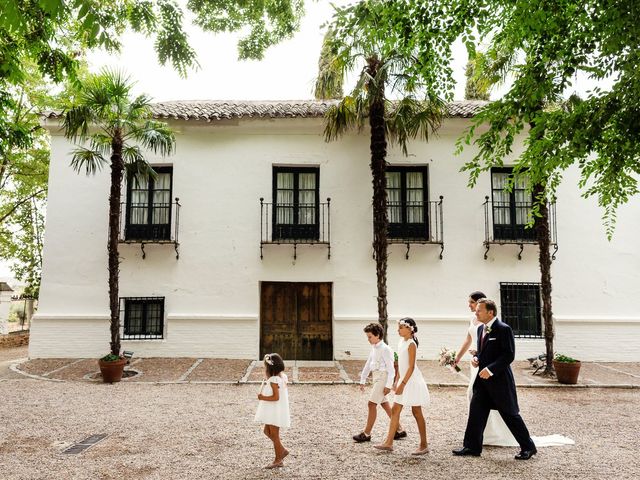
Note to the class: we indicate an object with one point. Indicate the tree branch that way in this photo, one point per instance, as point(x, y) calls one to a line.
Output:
point(21, 202)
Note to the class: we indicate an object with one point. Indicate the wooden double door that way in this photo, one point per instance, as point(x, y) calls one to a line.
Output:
point(296, 320)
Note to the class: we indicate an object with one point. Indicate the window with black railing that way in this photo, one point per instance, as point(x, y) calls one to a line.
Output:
point(142, 318)
point(511, 207)
point(521, 308)
point(407, 203)
point(148, 209)
point(296, 206)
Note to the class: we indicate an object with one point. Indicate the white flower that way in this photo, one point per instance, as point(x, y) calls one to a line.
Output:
point(402, 322)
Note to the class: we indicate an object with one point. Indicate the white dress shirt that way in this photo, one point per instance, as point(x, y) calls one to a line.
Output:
point(484, 332)
point(380, 359)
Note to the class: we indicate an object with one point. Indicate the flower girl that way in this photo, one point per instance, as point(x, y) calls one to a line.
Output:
point(412, 389)
point(273, 405)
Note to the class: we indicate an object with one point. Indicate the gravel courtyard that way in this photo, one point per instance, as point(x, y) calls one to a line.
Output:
point(204, 431)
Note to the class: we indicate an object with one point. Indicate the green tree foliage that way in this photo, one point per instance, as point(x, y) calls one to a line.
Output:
point(263, 22)
point(24, 165)
point(475, 88)
point(548, 44)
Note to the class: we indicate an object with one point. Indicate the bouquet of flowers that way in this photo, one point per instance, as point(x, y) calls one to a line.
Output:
point(448, 359)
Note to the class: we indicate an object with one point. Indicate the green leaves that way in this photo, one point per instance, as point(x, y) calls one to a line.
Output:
point(268, 21)
point(88, 159)
point(399, 50)
point(171, 41)
point(543, 46)
point(106, 115)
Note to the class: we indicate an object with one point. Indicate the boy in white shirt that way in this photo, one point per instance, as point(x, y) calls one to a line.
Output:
point(380, 364)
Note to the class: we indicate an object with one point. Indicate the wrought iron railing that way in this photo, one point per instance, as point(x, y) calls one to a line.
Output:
point(422, 223)
point(158, 223)
point(295, 224)
point(508, 223)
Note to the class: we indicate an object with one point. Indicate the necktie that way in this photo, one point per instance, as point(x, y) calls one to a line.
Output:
point(484, 337)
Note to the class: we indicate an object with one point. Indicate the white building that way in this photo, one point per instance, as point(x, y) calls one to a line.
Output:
point(5, 306)
point(235, 293)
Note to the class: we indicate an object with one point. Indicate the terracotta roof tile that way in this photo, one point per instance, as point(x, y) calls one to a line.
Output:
point(210, 110)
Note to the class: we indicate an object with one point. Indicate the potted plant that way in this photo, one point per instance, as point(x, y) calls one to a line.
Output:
point(567, 369)
point(111, 367)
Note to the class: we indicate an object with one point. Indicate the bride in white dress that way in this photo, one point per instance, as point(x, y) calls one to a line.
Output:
point(496, 432)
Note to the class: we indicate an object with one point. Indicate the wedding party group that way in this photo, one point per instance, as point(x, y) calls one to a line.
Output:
point(494, 416)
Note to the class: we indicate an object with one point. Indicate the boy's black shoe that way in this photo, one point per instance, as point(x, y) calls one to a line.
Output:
point(362, 437)
point(399, 435)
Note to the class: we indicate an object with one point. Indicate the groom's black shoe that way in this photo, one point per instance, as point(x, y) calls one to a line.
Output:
point(526, 454)
point(465, 452)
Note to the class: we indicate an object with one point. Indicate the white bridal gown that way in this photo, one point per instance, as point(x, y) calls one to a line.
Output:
point(496, 432)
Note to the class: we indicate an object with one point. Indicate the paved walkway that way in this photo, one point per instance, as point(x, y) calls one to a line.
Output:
point(13, 364)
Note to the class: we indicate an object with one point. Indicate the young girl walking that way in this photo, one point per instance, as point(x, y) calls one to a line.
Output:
point(273, 405)
point(412, 390)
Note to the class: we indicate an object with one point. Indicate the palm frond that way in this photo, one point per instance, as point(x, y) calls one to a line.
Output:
point(491, 68)
point(136, 167)
point(88, 160)
point(131, 154)
point(76, 122)
point(348, 114)
point(140, 108)
point(409, 118)
point(107, 95)
point(155, 136)
point(331, 70)
point(101, 142)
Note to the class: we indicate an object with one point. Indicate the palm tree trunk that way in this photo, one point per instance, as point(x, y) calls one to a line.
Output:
point(117, 172)
point(378, 149)
point(544, 243)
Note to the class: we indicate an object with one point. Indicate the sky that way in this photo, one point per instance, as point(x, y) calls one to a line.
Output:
point(286, 73)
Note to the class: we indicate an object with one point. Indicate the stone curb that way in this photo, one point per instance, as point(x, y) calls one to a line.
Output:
point(14, 368)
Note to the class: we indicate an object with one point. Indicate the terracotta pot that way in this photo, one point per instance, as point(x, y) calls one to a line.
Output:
point(112, 371)
point(567, 372)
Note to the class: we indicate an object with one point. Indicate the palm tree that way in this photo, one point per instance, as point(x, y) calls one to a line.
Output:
point(107, 120)
point(358, 38)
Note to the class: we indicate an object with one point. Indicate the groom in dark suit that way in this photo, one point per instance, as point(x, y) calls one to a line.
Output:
point(494, 387)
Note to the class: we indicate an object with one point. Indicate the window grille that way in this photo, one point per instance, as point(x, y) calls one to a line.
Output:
point(142, 318)
point(520, 305)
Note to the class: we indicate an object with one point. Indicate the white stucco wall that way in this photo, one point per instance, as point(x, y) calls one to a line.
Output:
point(212, 292)
point(5, 307)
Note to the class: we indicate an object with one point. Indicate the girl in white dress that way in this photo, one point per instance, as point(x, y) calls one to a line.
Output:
point(496, 432)
point(412, 390)
point(273, 405)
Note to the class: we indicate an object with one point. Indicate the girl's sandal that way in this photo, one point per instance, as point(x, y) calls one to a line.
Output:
point(384, 448)
point(421, 452)
point(275, 464)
